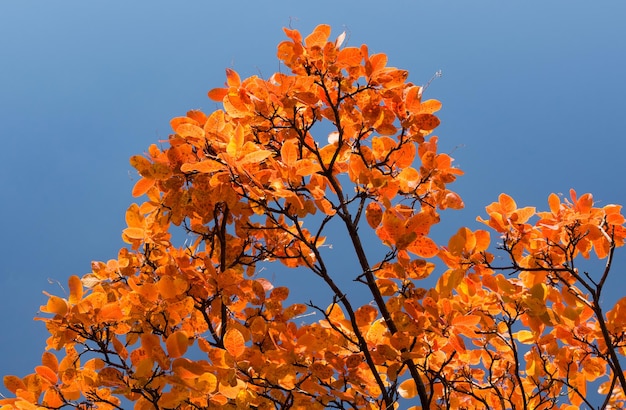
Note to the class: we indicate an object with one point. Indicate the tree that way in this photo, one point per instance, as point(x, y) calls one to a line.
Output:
point(198, 326)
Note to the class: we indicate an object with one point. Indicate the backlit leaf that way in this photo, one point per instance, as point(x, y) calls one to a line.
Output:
point(234, 342)
point(407, 389)
point(177, 344)
point(373, 214)
point(76, 289)
point(349, 56)
point(47, 373)
point(318, 37)
point(423, 247)
point(49, 360)
point(13, 383)
point(142, 186)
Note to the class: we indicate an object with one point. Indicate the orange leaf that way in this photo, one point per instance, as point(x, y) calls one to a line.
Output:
point(76, 289)
point(421, 222)
point(47, 373)
point(52, 399)
point(133, 217)
point(407, 389)
point(365, 315)
point(55, 305)
point(142, 186)
point(160, 171)
point(457, 343)
point(187, 130)
point(426, 122)
point(205, 167)
point(255, 157)
point(280, 293)
point(110, 376)
point(50, 360)
point(555, 204)
point(218, 94)
point(141, 164)
point(187, 369)
point(111, 312)
point(466, 320)
point(507, 204)
point(13, 383)
point(430, 106)
point(373, 214)
point(318, 37)
point(289, 152)
point(424, 247)
point(232, 78)
point(234, 342)
point(349, 57)
point(135, 233)
point(177, 344)
point(322, 371)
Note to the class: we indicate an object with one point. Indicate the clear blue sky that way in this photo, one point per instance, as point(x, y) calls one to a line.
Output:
point(533, 102)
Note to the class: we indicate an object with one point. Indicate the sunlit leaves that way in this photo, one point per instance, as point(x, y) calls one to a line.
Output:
point(196, 323)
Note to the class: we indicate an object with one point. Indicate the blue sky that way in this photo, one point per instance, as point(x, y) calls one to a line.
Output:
point(533, 103)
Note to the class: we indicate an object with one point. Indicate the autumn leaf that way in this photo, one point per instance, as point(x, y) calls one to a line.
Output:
point(234, 342)
point(177, 344)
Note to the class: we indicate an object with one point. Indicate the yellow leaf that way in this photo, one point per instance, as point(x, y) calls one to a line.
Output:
point(377, 332)
point(234, 343)
point(236, 142)
point(524, 336)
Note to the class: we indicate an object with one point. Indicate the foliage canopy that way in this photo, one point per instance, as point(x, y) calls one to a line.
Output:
point(198, 326)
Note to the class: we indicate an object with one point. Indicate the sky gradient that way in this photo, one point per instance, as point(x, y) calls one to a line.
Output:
point(532, 93)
